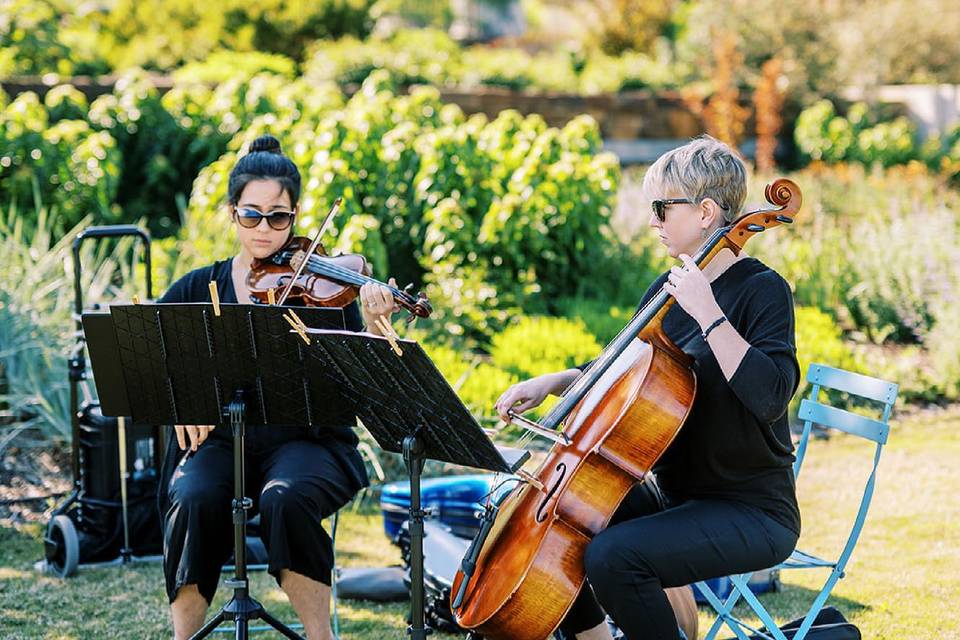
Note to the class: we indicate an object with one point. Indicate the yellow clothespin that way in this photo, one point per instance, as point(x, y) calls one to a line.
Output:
point(389, 334)
point(272, 296)
point(215, 298)
point(136, 299)
point(526, 477)
point(296, 318)
point(296, 327)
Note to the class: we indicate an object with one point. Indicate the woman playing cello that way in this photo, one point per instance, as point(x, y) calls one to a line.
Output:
point(724, 500)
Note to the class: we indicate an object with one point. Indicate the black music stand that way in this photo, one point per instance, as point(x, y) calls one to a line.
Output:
point(233, 365)
point(187, 365)
point(408, 407)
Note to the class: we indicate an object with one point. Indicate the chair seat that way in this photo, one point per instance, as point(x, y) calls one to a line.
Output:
point(803, 560)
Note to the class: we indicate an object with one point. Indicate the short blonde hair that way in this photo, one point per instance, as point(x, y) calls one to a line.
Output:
point(702, 168)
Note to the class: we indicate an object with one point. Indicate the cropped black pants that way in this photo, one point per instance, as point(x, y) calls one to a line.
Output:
point(654, 542)
point(294, 485)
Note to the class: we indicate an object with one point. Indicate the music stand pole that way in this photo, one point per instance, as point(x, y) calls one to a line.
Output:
point(242, 607)
point(413, 456)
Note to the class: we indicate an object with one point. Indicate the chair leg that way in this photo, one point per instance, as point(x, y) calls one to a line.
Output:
point(724, 613)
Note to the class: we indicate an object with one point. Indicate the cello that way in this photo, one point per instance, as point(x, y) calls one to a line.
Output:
point(524, 568)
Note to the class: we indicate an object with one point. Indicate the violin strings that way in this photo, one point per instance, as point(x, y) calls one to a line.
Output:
point(351, 277)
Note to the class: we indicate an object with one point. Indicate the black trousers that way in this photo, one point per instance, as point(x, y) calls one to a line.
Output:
point(294, 485)
point(654, 542)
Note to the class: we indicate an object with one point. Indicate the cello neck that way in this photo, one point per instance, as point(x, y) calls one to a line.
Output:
point(646, 322)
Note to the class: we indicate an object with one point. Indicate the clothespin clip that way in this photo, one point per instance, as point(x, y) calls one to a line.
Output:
point(136, 299)
point(272, 296)
point(526, 477)
point(387, 330)
point(300, 323)
point(215, 298)
point(294, 321)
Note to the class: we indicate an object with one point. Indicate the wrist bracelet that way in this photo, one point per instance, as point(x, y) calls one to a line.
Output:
point(716, 323)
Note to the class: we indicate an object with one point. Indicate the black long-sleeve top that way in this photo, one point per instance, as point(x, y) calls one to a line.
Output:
point(736, 441)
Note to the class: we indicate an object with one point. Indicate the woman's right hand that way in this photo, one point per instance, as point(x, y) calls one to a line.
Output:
point(531, 393)
point(196, 432)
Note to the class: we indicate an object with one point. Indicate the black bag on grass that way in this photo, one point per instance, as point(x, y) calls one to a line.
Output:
point(828, 625)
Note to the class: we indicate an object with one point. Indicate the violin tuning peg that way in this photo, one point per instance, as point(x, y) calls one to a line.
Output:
point(408, 288)
point(785, 219)
point(755, 228)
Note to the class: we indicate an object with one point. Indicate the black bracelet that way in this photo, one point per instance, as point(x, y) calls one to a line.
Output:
point(716, 323)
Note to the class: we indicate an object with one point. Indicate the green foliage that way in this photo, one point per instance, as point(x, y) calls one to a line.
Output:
point(485, 213)
point(878, 251)
point(164, 35)
point(67, 163)
point(820, 339)
point(536, 345)
point(828, 46)
point(429, 56)
point(65, 102)
point(821, 134)
point(598, 317)
point(221, 65)
point(160, 158)
point(478, 383)
point(29, 39)
point(36, 325)
point(423, 56)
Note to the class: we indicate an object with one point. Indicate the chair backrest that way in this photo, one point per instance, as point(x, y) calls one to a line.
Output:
point(812, 411)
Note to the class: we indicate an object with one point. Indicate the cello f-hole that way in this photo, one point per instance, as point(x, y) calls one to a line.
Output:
point(541, 511)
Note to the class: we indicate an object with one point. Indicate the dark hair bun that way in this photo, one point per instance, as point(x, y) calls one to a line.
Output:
point(266, 143)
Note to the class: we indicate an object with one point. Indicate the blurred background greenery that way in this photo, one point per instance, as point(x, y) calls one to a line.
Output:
point(530, 239)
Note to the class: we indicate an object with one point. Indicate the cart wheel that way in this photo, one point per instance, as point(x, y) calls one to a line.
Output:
point(62, 547)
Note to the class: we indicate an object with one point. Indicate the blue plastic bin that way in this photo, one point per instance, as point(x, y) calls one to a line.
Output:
point(454, 500)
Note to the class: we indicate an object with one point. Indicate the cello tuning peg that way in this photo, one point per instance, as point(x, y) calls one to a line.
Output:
point(755, 228)
point(785, 219)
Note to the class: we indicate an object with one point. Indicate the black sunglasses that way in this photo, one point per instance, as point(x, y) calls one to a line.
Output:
point(660, 206)
point(278, 220)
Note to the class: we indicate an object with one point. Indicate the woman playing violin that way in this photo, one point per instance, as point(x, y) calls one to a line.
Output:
point(301, 477)
point(724, 499)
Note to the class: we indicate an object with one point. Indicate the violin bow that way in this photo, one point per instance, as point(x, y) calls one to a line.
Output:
point(313, 245)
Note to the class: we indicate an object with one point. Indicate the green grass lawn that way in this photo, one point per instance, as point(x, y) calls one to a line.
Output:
point(903, 581)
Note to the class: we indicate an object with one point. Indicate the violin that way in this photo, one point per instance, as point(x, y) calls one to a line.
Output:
point(309, 277)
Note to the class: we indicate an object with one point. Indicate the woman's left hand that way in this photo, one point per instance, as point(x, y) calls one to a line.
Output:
point(376, 301)
point(691, 289)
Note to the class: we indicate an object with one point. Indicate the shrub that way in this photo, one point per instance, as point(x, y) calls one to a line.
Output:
point(67, 164)
point(222, 65)
point(478, 383)
point(536, 345)
point(30, 41)
point(423, 56)
point(598, 317)
point(820, 340)
point(861, 137)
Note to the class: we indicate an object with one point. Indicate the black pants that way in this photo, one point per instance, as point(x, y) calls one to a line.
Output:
point(294, 484)
point(654, 542)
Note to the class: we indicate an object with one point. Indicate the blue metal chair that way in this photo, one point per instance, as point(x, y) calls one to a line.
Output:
point(812, 411)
